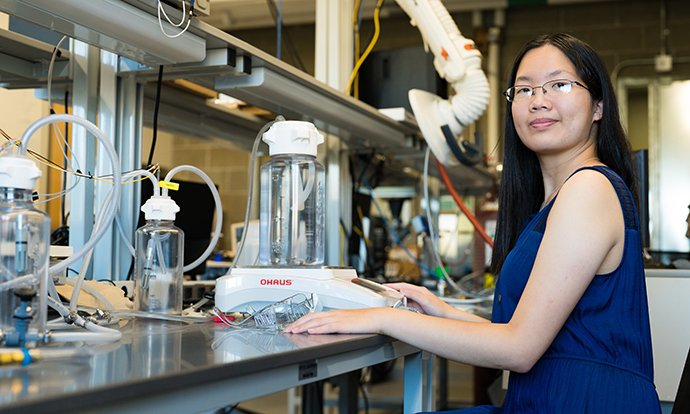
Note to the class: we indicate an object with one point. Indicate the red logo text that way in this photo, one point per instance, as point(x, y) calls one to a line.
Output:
point(275, 282)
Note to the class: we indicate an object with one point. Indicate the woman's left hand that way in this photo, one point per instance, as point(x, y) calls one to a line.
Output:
point(340, 321)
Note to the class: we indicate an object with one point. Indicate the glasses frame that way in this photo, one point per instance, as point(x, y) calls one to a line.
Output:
point(507, 94)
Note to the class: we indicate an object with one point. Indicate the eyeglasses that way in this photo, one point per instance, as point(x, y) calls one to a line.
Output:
point(521, 93)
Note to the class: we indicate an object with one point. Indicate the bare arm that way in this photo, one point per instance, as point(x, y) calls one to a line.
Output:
point(584, 236)
point(430, 304)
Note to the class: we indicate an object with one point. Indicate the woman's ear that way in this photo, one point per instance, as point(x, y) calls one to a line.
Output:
point(598, 110)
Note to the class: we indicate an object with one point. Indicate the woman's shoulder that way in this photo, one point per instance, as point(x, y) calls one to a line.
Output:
point(589, 200)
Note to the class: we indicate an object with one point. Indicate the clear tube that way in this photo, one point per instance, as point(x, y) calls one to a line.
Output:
point(112, 200)
point(219, 210)
point(97, 334)
point(434, 240)
point(250, 194)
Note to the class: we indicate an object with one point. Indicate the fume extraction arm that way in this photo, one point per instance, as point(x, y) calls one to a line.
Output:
point(457, 61)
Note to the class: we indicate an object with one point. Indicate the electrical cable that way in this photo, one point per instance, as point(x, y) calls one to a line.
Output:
point(156, 108)
point(370, 47)
point(458, 200)
point(185, 16)
point(356, 19)
point(289, 44)
point(279, 29)
point(53, 56)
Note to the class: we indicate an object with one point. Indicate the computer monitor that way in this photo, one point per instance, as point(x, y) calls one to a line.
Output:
point(195, 217)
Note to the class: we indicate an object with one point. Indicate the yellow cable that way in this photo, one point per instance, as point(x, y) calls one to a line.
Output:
point(377, 31)
point(355, 24)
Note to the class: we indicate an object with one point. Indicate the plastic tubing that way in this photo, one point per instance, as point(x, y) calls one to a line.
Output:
point(96, 334)
point(250, 194)
point(111, 201)
point(17, 281)
point(219, 210)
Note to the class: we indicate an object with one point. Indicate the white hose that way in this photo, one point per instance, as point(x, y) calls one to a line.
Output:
point(219, 211)
point(26, 279)
point(112, 200)
point(96, 334)
point(250, 194)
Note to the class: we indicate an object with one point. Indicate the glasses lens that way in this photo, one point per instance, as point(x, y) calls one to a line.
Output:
point(559, 86)
point(521, 92)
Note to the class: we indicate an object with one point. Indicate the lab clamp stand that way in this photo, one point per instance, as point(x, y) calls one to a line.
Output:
point(291, 239)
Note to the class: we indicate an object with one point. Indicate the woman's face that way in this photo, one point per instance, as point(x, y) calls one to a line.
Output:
point(551, 123)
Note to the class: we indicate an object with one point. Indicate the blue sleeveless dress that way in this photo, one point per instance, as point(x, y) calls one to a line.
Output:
point(601, 360)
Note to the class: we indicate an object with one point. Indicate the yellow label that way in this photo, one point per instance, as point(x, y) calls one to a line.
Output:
point(169, 186)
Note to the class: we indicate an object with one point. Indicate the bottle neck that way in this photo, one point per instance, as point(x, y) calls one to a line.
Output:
point(161, 223)
point(294, 156)
point(16, 194)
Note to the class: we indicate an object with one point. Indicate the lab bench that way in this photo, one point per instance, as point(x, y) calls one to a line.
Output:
point(161, 366)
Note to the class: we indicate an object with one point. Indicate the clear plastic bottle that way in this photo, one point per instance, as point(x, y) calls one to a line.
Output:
point(292, 216)
point(159, 259)
point(24, 240)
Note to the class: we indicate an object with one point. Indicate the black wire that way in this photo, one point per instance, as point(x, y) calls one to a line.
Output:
point(155, 115)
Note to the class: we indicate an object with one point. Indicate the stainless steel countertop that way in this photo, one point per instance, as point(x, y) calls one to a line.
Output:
point(160, 363)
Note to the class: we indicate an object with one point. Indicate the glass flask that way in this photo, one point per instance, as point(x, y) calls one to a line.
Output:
point(292, 215)
point(24, 242)
point(159, 259)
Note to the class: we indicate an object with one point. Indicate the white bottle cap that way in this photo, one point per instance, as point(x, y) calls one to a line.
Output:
point(292, 137)
point(18, 172)
point(160, 208)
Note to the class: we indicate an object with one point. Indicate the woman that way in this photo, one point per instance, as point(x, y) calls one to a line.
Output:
point(570, 318)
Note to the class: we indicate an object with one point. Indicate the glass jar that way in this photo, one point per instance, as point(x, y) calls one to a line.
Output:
point(159, 263)
point(24, 250)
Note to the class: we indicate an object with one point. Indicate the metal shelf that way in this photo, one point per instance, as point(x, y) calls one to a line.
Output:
point(24, 62)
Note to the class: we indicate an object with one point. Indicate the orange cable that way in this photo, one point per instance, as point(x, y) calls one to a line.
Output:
point(458, 200)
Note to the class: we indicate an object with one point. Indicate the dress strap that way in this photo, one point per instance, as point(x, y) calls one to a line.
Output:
point(622, 191)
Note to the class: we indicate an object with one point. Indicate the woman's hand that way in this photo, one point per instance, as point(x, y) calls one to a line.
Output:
point(341, 321)
point(422, 299)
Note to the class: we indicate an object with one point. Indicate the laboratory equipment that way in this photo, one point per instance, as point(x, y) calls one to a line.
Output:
point(337, 288)
point(292, 219)
point(276, 316)
point(24, 245)
point(159, 246)
point(291, 241)
point(458, 61)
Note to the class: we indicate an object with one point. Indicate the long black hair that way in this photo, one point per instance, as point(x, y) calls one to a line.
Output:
point(522, 189)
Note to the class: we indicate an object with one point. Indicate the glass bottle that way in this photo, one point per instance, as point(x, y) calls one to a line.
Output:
point(24, 241)
point(292, 215)
point(159, 259)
